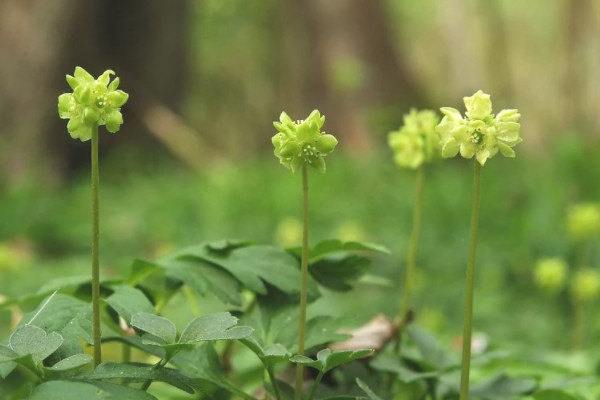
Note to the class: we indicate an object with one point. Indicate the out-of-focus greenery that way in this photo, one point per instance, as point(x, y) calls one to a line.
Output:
point(155, 210)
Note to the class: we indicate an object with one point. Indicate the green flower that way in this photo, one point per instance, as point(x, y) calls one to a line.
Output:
point(416, 142)
point(550, 274)
point(583, 221)
point(94, 102)
point(302, 141)
point(480, 134)
point(586, 285)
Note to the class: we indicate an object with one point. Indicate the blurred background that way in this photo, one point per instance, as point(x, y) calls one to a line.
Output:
point(194, 161)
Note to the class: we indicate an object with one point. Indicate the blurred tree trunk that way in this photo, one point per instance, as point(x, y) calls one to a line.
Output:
point(144, 41)
point(33, 41)
point(578, 17)
point(349, 64)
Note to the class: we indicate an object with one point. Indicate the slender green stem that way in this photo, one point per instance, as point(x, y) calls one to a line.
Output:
point(274, 384)
point(411, 260)
point(313, 391)
point(304, 285)
point(578, 329)
point(468, 323)
point(95, 252)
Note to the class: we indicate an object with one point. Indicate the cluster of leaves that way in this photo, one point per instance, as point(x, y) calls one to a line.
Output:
point(45, 358)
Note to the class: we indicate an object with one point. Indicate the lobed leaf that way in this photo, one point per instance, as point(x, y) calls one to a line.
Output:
point(155, 325)
point(127, 301)
point(70, 390)
point(71, 363)
point(142, 373)
point(328, 359)
point(219, 326)
point(29, 339)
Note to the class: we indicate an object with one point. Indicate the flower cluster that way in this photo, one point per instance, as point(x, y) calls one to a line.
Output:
point(299, 142)
point(586, 285)
point(480, 133)
point(551, 274)
point(94, 102)
point(583, 221)
point(416, 142)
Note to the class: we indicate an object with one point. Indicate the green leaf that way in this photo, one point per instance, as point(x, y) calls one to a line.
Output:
point(69, 390)
point(140, 270)
point(391, 363)
point(553, 394)
point(155, 325)
point(127, 301)
point(70, 363)
point(270, 355)
point(6, 368)
point(337, 273)
point(503, 386)
point(70, 282)
point(142, 373)
point(66, 315)
point(332, 246)
point(433, 353)
point(367, 390)
point(7, 354)
point(328, 359)
point(219, 326)
point(253, 265)
point(203, 364)
point(29, 339)
point(204, 277)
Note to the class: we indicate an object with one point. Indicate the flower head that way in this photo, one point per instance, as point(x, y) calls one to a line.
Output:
point(586, 285)
point(94, 102)
point(416, 142)
point(550, 274)
point(583, 221)
point(480, 134)
point(299, 142)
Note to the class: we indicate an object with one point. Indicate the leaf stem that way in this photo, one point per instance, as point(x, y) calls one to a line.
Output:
point(313, 391)
point(274, 384)
point(304, 285)
point(95, 252)
point(411, 260)
point(468, 312)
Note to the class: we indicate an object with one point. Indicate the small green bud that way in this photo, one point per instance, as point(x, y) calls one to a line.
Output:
point(583, 221)
point(94, 102)
point(586, 285)
point(300, 142)
point(479, 134)
point(416, 142)
point(550, 274)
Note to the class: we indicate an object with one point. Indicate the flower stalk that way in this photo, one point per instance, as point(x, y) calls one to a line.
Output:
point(95, 250)
point(304, 284)
point(470, 288)
point(411, 260)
